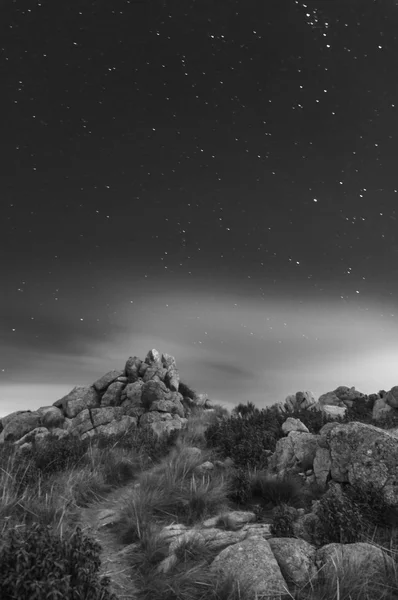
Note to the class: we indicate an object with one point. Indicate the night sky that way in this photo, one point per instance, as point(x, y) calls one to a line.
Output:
point(214, 179)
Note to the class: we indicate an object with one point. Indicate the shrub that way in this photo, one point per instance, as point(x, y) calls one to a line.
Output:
point(240, 486)
point(276, 491)
point(314, 420)
point(340, 517)
point(371, 502)
point(54, 454)
point(36, 564)
point(282, 524)
point(245, 440)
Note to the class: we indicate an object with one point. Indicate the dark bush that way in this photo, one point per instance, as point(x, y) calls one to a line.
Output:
point(371, 502)
point(245, 440)
point(341, 520)
point(36, 564)
point(240, 486)
point(282, 523)
point(53, 455)
point(276, 491)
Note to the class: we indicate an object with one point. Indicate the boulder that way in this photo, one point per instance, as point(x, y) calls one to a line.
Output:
point(132, 368)
point(37, 434)
point(291, 451)
point(392, 397)
point(334, 411)
point(113, 394)
point(52, 418)
point(252, 564)
point(161, 423)
point(361, 557)
point(296, 559)
point(103, 383)
point(80, 398)
point(19, 425)
point(381, 409)
point(171, 406)
point(116, 427)
point(293, 425)
point(172, 378)
point(153, 391)
point(82, 422)
point(103, 416)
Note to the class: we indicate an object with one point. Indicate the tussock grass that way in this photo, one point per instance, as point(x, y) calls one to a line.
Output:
point(172, 491)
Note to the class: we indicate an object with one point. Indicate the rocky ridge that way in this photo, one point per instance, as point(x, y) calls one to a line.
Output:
point(143, 394)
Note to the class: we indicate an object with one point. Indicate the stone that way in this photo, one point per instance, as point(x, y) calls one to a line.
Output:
point(116, 427)
point(153, 391)
point(80, 398)
point(392, 397)
point(296, 558)
point(161, 423)
point(5, 420)
point(101, 384)
point(322, 464)
point(204, 468)
point(334, 411)
point(296, 448)
point(234, 518)
point(361, 453)
point(37, 434)
point(381, 409)
point(113, 394)
point(53, 418)
point(19, 425)
point(132, 368)
point(356, 557)
point(252, 564)
point(82, 422)
point(153, 358)
point(103, 416)
point(330, 398)
point(293, 425)
point(170, 406)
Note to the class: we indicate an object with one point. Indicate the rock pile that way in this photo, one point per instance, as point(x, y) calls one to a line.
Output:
point(143, 394)
point(335, 403)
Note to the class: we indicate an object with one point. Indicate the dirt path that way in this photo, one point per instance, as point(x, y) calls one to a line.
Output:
point(96, 521)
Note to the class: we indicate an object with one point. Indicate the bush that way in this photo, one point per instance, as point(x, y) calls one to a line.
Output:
point(54, 455)
point(282, 524)
point(36, 564)
point(314, 420)
point(340, 517)
point(276, 491)
point(240, 486)
point(371, 502)
point(245, 440)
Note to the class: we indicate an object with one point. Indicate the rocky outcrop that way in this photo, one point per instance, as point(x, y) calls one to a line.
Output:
point(143, 394)
point(353, 453)
point(336, 402)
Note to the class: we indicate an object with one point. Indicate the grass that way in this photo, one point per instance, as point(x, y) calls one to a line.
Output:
point(50, 485)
